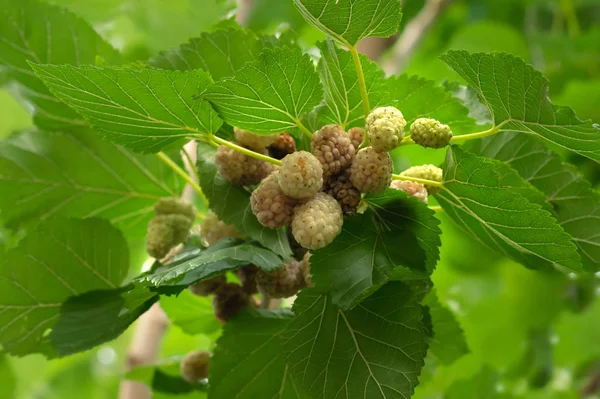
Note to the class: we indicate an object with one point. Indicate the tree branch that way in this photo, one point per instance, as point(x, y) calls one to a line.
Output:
point(413, 34)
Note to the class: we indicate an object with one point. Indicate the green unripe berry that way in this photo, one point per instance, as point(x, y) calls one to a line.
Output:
point(430, 133)
point(428, 172)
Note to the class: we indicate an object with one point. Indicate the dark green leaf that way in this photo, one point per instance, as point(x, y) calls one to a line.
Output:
point(348, 21)
point(395, 232)
point(268, 95)
point(33, 31)
point(79, 175)
point(143, 110)
point(165, 377)
point(193, 314)
point(503, 220)
point(248, 362)
point(517, 96)
point(63, 258)
point(373, 351)
point(575, 203)
point(232, 205)
point(510, 179)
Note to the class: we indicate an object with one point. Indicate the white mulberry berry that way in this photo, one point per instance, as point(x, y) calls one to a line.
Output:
point(194, 366)
point(385, 126)
point(371, 171)
point(317, 222)
point(241, 169)
point(209, 286)
point(282, 146)
point(252, 140)
point(357, 136)
point(333, 148)
point(270, 205)
point(286, 281)
point(411, 188)
point(300, 175)
point(341, 188)
point(166, 231)
point(428, 172)
point(430, 133)
point(213, 229)
point(229, 300)
point(171, 205)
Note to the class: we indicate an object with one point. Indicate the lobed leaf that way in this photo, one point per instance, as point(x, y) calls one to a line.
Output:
point(349, 21)
point(143, 110)
point(574, 201)
point(268, 95)
point(33, 31)
point(63, 258)
point(79, 175)
point(503, 220)
point(375, 350)
point(517, 97)
point(396, 232)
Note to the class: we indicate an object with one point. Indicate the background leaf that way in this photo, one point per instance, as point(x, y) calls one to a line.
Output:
point(193, 314)
point(348, 21)
point(374, 350)
point(269, 95)
point(505, 221)
point(517, 96)
point(142, 110)
point(63, 258)
point(79, 175)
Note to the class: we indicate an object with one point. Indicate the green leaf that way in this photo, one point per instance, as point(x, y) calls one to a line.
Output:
point(33, 31)
point(503, 220)
point(575, 203)
point(422, 98)
point(221, 53)
point(193, 314)
point(96, 317)
point(79, 175)
point(268, 95)
point(510, 179)
point(517, 96)
point(395, 232)
point(63, 258)
point(225, 255)
point(342, 92)
point(248, 361)
point(165, 378)
point(349, 21)
point(373, 351)
point(448, 343)
point(143, 110)
point(8, 380)
point(232, 205)
point(484, 385)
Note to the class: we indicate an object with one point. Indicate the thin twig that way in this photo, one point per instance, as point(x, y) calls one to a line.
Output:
point(413, 34)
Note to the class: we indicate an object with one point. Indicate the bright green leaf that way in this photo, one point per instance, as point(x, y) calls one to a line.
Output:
point(349, 21)
point(63, 258)
point(395, 232)
point(375, 350)
point(193, 314)
point(33, 31)
point(510, 179)
point(483, 385)
point(575, 203)
point(503, 220)
point(268, 95)
point(248, 362)
point(517, 96)
point(232, 205)
point(143, 110)
point(79, 175)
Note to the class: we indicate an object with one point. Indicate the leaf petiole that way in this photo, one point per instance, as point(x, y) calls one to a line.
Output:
point(303, 128)
point(478, 135)
point(177, 169)
point(246, 151)
point(361, 80)
point(416, 179)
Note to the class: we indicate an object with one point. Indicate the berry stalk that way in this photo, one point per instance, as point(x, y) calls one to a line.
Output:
point(177, 169)
point(246, 151)
point(303, 128)
point(418, 180)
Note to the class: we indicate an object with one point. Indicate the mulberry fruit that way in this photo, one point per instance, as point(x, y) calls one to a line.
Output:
point(333, 148)
point(385, 126)
point(428, 172)
point(253, 141)
point(357, 136)
point(166, 231)
point(241, 169)
point(229, 300)
point(300, 175)
point(287, 281)
point(247, 276)
point(194, 366)
point(170, 205)
point(371, 171)
point(341, 188)
point(270, 205)
point(209, 286)
point(283, 145)
point(430, 133)
point(317, 222)
point(411, 188)
point(213, 229)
